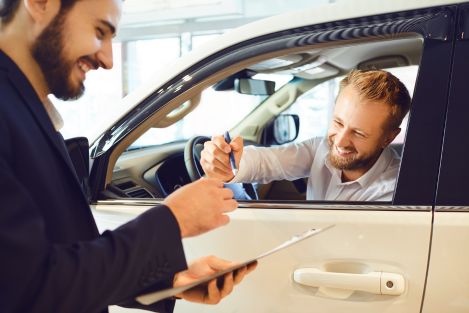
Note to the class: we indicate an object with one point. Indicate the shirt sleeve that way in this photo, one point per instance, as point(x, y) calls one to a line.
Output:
point(263, 165)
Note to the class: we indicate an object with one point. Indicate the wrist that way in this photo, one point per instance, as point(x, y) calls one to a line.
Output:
point(182, 229)
point(178, 296)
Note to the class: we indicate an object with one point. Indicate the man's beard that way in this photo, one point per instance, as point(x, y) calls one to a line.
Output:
point(352, 162)
point(48, 51)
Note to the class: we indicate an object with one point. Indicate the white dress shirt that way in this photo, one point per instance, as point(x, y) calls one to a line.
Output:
point(309, 159)
point(54, 115)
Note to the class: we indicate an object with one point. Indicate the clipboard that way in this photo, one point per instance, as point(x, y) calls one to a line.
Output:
point(159, 295)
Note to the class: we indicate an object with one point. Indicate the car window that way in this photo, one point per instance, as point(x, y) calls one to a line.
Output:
point(315, 107)
point(306, 86)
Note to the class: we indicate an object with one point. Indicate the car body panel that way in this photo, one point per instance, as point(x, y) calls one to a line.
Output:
point(393, 236)
point(447, 287)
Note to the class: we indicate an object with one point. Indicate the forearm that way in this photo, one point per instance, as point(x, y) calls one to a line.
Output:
point(263, 165)
point(87, 276)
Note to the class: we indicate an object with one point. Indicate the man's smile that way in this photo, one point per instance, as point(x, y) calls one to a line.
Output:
point(344, 152)
point(85, 66)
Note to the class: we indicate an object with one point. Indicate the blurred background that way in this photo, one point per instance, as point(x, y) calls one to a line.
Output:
point(153, 33)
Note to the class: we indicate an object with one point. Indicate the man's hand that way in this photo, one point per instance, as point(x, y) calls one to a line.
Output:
point(201, 206)
point(210, 293)
point(215, 159)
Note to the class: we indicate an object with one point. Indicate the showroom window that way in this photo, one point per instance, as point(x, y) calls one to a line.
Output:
point(145, 58)
point(99, 104)
point(134, 63)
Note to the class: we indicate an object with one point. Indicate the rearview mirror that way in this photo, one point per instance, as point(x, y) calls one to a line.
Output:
point(255, 87)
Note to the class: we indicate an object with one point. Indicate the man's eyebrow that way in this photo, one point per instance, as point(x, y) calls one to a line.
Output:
point(361, 131)
point(357, 130)
point(109, 25)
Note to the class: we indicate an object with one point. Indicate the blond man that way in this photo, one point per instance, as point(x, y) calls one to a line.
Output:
point(352, 163)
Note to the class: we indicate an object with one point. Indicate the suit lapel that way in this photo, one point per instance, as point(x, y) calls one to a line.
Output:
point(36, 107)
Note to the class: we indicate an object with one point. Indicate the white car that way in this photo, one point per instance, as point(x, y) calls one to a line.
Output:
point(406, 255)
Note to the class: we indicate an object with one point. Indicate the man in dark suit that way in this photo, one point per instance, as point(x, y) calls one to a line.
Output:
point(53, 258)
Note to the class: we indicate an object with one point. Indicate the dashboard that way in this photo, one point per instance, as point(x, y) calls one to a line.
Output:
point(153, 172)
point(171, 174)
point(150, 172)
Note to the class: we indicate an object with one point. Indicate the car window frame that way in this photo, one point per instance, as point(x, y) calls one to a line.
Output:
point(453, 184)
point(433, 24)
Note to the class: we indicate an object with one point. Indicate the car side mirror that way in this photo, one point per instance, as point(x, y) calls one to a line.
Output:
point(254, 87)
point(283, 129)
point(78, 150)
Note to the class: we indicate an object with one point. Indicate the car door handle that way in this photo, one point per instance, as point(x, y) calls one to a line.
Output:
point(380, 283)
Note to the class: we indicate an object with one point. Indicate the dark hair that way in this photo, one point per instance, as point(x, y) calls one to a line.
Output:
point(382, 86)
point(8, 8)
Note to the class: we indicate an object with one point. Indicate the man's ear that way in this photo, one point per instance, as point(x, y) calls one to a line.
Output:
point(42, 11)
point(390, 136)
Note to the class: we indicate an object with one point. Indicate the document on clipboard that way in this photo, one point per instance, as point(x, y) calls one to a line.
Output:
point(156, 296)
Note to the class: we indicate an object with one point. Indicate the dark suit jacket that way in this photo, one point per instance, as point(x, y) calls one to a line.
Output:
point(52, 257)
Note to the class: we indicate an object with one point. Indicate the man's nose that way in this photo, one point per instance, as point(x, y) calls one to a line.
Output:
point(342, 138)
point(104, 55)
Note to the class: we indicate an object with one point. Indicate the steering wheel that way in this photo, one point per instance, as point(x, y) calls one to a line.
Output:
point(192, 152)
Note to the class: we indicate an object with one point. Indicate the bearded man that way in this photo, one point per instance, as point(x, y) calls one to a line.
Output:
point(353, 163)
point(53, 257)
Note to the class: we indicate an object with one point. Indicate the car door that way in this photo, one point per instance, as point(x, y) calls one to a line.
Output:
point(382, 244)
point(368, 238)
point(447, 286)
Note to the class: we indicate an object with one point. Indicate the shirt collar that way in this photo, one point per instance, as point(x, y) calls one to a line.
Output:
point(366, 179)
point(379, 167)
point(54, 115)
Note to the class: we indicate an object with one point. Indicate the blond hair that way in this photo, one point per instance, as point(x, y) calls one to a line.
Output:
point(382, 86)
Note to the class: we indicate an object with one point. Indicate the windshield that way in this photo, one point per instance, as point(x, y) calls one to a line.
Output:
point(217, 112)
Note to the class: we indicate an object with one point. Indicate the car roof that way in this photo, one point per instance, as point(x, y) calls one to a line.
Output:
point(341, 10)
point(336, 11)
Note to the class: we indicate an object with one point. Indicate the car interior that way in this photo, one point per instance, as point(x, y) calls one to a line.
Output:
point(156, 170)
